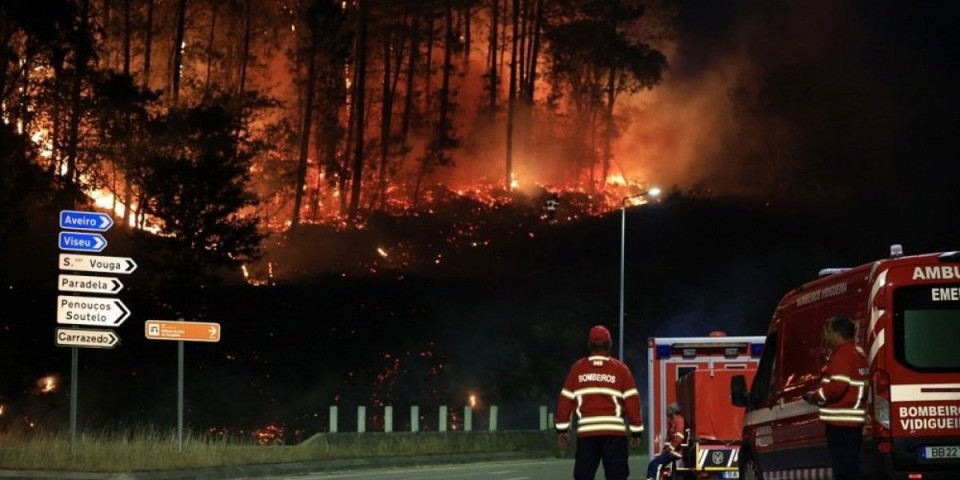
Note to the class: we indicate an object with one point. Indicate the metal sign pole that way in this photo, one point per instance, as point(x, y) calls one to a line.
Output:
point(180, 395)
point(74, 360)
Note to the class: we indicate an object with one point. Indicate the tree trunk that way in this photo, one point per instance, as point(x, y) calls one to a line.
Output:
point(309, 88)
point(246, 47)
point(411, 76)
point(109, 55)
point(82, 54)
point(127, 32)
point(386, 112)
point(178, 48)
point(148, 44)
point(608, 123)
point(25, 115)
point(359, 97)
point(443, 123)
point(609, 127)
point(389, 96)
point(522, 47)
point(127, 188)
point(534, 53)
point(492, 53)
point(213, 29)
point(428, 73)
point(57, 59)
point(511, 108)
point(466, 36)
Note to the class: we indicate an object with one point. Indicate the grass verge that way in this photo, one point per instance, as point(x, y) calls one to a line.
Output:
point(148, 450)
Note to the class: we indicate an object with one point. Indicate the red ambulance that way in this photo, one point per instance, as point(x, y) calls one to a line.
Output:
point(907, 312)
point(695, 372)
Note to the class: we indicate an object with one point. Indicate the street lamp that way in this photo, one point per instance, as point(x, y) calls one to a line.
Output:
point(653, 192)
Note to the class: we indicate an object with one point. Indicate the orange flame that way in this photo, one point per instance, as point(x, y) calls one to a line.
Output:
point(47, 384)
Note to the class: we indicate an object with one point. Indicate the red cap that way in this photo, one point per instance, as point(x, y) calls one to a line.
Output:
point(599, 334)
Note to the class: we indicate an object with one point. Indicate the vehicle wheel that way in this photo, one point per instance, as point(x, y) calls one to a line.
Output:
point(750, 469)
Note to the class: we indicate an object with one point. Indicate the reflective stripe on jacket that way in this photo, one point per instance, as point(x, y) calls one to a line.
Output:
point(602, 391)
point(843, 386)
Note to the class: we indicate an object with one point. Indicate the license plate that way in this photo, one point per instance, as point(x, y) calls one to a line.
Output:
point(734, 474)
point(940, 452)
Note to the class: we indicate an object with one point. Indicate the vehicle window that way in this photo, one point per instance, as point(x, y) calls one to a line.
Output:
point(803, 353)
point(923, 317)
point(763, 381)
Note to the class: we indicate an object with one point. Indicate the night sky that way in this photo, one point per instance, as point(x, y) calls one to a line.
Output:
point(789, 136)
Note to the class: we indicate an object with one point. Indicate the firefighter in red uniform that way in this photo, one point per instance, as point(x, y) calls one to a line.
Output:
point(841, 397)
point(602, 390)
point(673, 448)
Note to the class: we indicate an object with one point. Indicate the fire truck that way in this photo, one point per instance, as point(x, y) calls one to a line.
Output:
point(907, 313)
point(695, 373)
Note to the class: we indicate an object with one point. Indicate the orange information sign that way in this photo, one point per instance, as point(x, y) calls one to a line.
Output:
point(184, 331)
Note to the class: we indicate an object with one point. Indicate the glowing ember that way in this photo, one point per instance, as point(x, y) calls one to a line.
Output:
point(47, 384)
point(269, 435)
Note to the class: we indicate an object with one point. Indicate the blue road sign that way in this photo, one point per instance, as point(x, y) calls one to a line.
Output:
point(90, 221)
point(82, 242)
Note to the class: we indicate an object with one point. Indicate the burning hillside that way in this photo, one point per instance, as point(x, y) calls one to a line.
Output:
point(450, 231)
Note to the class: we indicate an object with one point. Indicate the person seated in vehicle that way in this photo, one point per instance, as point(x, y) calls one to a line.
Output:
point(673, 443)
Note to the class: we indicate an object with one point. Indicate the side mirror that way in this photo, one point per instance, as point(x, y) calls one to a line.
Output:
point(739, 395)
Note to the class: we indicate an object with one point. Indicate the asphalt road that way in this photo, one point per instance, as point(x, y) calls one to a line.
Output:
point(503, 466)
point(531, 469)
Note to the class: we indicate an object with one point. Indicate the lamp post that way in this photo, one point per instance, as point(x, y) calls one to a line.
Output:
point(653, 192)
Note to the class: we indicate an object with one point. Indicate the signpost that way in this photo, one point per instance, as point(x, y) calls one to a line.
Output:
point(76, 337)
point(97, 263)
point(93, 311)
point(181, 331)
point(184, 331)
point(88, 284)
point(82, 242)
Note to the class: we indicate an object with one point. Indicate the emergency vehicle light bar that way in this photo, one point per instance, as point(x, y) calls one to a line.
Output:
point(689, 350)
point(826, 272)
point(716, 345)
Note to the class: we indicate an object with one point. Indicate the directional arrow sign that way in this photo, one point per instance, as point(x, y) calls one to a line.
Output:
point(82, 242)
point(185, 331)
point(101, 312)
point(88, 284)
point(90, 221)
point(96, 263)
point(77, 337)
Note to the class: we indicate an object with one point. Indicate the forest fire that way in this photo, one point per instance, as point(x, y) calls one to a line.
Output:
point(310, 155)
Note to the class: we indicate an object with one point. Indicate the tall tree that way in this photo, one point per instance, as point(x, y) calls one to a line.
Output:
point(595, 60)
point(359, 98)
point(309, 85)
point(210, 51)
point(493, 45)
point(148, 43)
point(195, 176)
point(177, 64)
point(512, 96)
point(83, 51)
point(245, 55)
point(444, 139)
point(393, 40)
